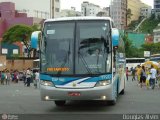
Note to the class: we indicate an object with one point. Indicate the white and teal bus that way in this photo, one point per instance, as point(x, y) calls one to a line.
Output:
point(81, 58)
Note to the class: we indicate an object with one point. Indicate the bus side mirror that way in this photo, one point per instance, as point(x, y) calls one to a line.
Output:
point(115, 37)
point(35, 39)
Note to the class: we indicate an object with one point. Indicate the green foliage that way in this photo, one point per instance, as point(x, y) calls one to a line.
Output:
point(129, 13)
point(15, 55)
point(148, 25)
point(19, 33)
point(133, 25)
point(154, 48)
point(36, 27)
point(130, 50)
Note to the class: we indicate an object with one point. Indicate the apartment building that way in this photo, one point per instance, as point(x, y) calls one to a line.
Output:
point(118, 13)
point(55, 8)
point(119, 10)
point(156, 34)
point(138, 9)
point(156, 9)
point(146, 11)
point(90, 9)
point(70, 12)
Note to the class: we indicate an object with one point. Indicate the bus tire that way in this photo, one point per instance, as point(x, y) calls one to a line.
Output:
point(60, 102)
point(122, 92)
point(113, 102)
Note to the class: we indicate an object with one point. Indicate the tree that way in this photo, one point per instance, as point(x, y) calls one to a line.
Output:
point(129, 15)
point(19, 33)
point(154, 48)
point(130, 49)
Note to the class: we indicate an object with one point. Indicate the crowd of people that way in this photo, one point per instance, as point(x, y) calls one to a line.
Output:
point(28, 76)
point(145, 76)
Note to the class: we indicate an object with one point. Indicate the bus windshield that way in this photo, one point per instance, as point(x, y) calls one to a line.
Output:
point(76, 48)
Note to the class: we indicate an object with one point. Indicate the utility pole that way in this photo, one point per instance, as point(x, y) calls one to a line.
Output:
point(52, 8)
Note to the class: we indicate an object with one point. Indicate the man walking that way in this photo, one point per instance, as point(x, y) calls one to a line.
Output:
point(153, 72)
point(28, 76)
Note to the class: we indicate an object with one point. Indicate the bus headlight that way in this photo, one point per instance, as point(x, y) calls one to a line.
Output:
point(46, 83)
point(103, 83)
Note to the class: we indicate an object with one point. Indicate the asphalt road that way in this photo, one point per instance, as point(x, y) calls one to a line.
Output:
point(18, 99)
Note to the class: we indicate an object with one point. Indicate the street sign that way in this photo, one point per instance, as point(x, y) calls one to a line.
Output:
point(147, 53)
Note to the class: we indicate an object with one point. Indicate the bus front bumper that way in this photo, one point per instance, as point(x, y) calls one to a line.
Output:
point(96, 93)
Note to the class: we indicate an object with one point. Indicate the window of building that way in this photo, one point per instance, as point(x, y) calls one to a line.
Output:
point(57, 9)
point(4, 51)
point(15, 51)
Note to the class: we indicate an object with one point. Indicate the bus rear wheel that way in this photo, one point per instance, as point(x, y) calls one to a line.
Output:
point(60, 102)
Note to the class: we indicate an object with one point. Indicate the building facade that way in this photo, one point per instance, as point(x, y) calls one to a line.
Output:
point(69, 12)
point(35, 8)
point(8, 18)
point(145, 11)
point(118, 13)
point(156, 4)
point(156, 32)
point(156, 9)
point(55, 8)
point(138, 9)
point(90, 9)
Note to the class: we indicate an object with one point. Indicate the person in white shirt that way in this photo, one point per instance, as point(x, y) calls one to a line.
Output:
point(28, 76)
point(36, 81)
point(153, 73)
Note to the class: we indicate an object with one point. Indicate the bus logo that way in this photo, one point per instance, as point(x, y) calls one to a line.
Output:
point(74, 84)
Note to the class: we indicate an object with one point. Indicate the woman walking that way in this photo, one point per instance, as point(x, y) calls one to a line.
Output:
point(143, 76)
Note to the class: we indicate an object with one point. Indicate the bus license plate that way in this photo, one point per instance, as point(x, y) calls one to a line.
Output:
point(74, 94)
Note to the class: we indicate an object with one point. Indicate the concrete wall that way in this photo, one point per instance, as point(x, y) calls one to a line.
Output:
point(19, 64)
point(2, 62)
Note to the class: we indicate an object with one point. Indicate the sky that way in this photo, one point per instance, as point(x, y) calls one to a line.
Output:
point(67, 4)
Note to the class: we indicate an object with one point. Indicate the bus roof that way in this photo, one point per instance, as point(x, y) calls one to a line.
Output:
point(78, 18)
point(135, 58)
point(154, 55)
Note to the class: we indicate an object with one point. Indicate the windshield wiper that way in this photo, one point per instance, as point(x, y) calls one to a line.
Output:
point(65, 60)
point(98, 61)
point(84, 62)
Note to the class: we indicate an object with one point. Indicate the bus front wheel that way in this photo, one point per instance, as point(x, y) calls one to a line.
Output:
point(60, 102)
point(114, 101)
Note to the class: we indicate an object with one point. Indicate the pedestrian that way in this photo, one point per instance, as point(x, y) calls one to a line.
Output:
point(15, 76)
point(153, 72)
point(127, 73)
point(148, 78)
point(143, 76)
point(0, 77)
point(24, 76)
point(37, 79)
point(28, 76)
point(8, 77)
point(133, 74)
point(158, 78)
point(138, 73)
point(3, 77)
